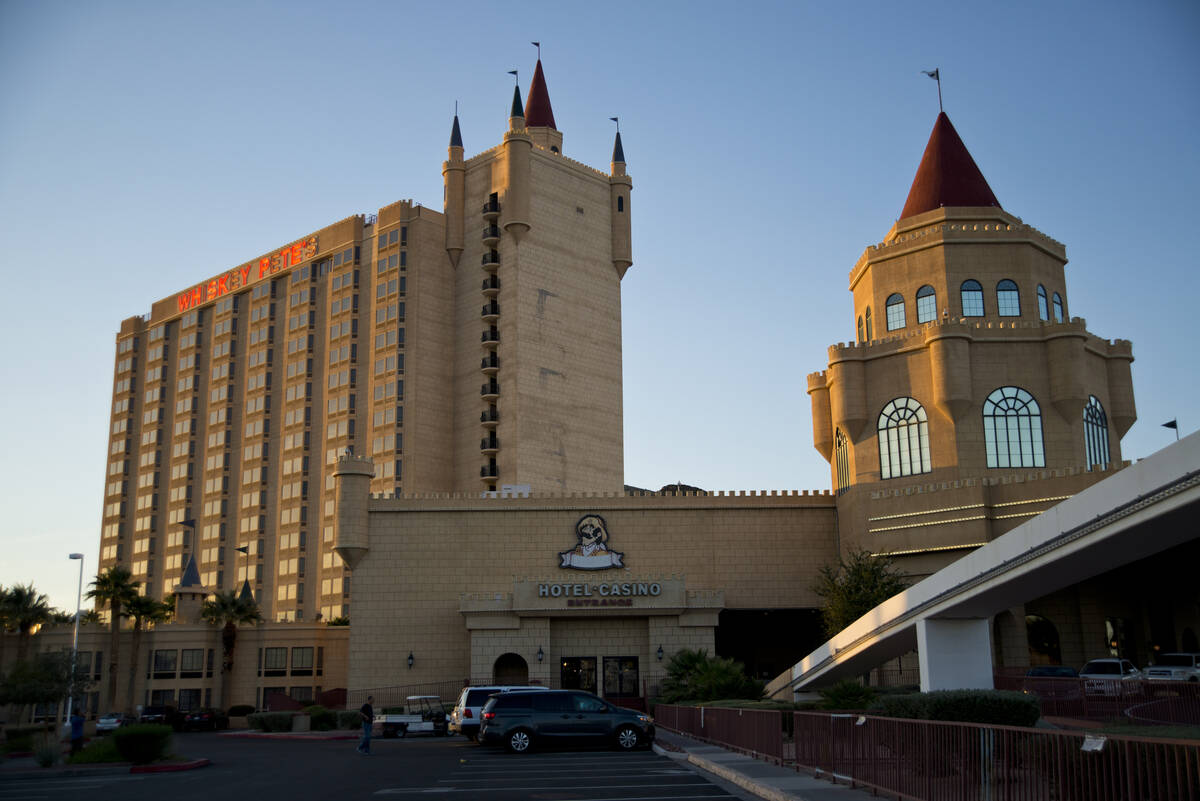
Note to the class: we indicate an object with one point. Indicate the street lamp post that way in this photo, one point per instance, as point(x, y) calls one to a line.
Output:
point(75, 637)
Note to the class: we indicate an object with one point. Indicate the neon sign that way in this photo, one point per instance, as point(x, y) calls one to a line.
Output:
point(248, 273)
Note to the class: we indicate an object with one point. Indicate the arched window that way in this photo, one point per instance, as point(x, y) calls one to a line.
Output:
point(926, 304)
point(1043, 312)
point(1059, 309)
point(841, 452)
point(895, 311)
point(903, 439)
point(1008, 299)
point(1012, 429)
point(861, 337)
point(1043, 640)
point(870, 330)
point(972, 298)
point(620, 203)
point(1095, 434)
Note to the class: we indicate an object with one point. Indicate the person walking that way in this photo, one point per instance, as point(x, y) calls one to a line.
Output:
point(367, 713)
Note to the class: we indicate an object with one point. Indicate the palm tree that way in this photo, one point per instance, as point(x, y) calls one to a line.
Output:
point(24, 610)
point(228, 609)
point(116, 588)
point(142, 609)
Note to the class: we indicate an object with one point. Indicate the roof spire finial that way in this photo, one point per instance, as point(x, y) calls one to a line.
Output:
point(617, 120)
point(516, 78)
point(538, 45)
point(937, 76)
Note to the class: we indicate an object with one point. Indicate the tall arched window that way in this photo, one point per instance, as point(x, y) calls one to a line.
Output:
point(1095, 434)
point(841, 452)
point(926, 304)
point(870, 330)
point(1012, 429)
point(1059, 309)
point(861, 337)
point(903, 439)
point(1043, 312)
point(1008, 299)
point(895, 311)
point(972, 298)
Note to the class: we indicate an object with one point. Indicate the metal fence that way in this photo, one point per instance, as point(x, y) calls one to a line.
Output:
point(397, 695)
point(916, 759)
point(1139, 701)
point(758, 732)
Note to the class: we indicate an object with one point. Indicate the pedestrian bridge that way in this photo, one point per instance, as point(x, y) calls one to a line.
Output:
point(1140, 511)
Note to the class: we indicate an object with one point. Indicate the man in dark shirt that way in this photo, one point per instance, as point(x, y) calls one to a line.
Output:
point(76, 732)
point(368, 719)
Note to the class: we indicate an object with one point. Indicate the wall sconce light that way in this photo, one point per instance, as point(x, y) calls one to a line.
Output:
point(540, 654)
point(410, 660)
point(659, 653)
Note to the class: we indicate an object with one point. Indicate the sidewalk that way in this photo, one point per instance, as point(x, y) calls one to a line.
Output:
point(764, 779)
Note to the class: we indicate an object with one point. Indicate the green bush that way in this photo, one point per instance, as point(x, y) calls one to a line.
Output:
point(995, 707)
point(240, 710)
point(271, 721)
point(348, 719)
point(102, 749)
point(847, 694)
point(321, 719)
point(20, 738)
point(142, 743)
point(693, 675)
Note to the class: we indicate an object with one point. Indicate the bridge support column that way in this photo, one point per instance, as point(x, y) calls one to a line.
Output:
point(955, 654)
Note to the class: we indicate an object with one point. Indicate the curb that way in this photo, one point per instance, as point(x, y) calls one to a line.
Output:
point(170, 768)
point(292, 737)
point(734, 777)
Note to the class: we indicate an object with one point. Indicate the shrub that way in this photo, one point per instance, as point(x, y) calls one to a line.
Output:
point(142, 743)
point(46, 750)
point(20, 738)
point(696, 676)
point(240, 710)
point(271, 721)
point(321, 719)
point(847, 694)
point(102, 749)
point(995, 707)
point(348, 719)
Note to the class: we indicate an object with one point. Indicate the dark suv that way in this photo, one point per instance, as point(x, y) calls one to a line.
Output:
point(519, 720)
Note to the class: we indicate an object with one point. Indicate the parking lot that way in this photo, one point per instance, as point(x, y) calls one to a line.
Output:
point(412, 767)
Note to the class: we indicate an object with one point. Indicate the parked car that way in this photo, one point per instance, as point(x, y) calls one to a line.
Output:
point(464, 718)
point(520, 721)
point(1052, 682)
point(112, 721)
point(1175, 667)
point(205, 720)
point(161, 714)
point(1110, 676)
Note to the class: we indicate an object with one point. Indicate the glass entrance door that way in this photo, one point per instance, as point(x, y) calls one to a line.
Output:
point(578, 673)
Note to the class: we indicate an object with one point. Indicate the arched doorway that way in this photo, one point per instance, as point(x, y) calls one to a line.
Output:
point(510, 669)
point(1044, 647)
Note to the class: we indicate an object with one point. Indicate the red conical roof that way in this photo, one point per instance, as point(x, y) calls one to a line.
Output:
point(948, 176)
point(538, 113)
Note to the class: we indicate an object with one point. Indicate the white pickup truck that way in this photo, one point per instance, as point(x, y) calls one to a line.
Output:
point(420, 714)
point(1174, 667)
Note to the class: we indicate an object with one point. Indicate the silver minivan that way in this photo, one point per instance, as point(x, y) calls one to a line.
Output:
point(464, 718)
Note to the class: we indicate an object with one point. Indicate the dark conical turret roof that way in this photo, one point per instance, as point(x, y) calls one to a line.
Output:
point(539, 114)
point(247, 594)
point(455, 134)
point(191, 575)
point(517, 109)
point(948, 176)
point(618, 151)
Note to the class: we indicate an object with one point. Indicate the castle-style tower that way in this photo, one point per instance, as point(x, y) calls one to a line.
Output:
point(540, 244)
point(970, 399)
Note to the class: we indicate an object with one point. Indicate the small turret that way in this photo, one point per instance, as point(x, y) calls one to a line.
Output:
point(352, 489)
point(620, 189)
point(515, 178)
point(454, 175)
point(189, 594)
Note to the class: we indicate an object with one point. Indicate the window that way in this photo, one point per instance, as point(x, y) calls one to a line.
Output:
point(1012, 429)
point(189, 700)
point(1059, 309)
point(1043, 312)
point(620, 203)
point(191, 663)
point(870, 330)
point(895, 311)
point(1095, 434)
point(274, 661)
point(903, 439)
point(165, 663)
point(621, 677)
point(972, 298)
point(841, 450)
point(1008, 299)
point(926, 304)
point(861, 337)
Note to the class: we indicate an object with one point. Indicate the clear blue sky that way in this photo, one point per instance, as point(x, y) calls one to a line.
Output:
point(145, 146)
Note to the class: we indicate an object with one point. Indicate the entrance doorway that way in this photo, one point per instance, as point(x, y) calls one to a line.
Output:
point(510, 669)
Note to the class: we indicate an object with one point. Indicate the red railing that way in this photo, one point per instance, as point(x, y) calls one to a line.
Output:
point(942, 761)
point(1142, 701)
point(758, 732)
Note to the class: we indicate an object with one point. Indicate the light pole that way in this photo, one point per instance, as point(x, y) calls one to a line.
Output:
point(75, 637)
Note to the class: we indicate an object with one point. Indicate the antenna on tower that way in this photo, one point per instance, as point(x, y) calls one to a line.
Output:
point(937, 76)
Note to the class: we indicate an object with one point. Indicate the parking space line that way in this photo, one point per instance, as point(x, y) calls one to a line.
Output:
point(540, 788)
